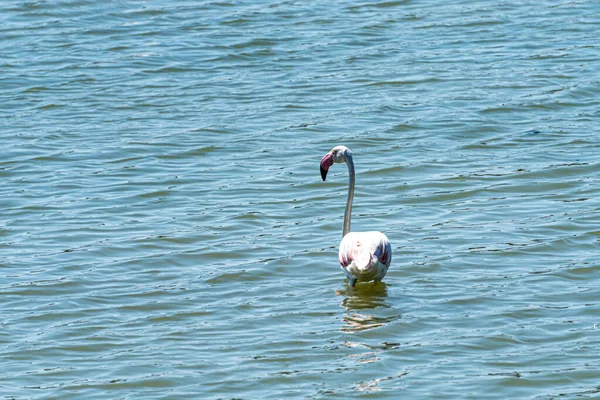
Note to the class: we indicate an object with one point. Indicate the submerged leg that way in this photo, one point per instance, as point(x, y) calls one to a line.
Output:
point(353, 281)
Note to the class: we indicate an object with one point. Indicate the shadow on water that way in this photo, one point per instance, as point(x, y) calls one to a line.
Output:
point(363, 297)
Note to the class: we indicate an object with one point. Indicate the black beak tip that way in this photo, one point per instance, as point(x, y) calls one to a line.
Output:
point(323, 173)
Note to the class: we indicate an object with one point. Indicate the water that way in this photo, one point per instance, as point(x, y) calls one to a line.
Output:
point(165, 232)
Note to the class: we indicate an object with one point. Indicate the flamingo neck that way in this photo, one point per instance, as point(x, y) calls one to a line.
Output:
point(348, 213)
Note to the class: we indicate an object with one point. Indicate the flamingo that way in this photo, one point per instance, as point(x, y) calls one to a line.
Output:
point(364, 256)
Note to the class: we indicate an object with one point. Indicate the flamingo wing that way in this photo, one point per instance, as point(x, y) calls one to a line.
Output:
point(383, 250)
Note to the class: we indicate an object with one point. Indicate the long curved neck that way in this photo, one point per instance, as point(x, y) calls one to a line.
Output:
point(348, 213)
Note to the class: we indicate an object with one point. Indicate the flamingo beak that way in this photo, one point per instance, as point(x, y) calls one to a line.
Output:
point(326, 162)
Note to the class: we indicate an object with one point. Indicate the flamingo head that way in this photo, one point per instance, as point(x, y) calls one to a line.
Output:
point(338, 154)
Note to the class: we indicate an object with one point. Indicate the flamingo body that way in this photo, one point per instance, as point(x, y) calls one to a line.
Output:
point(364, 256)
